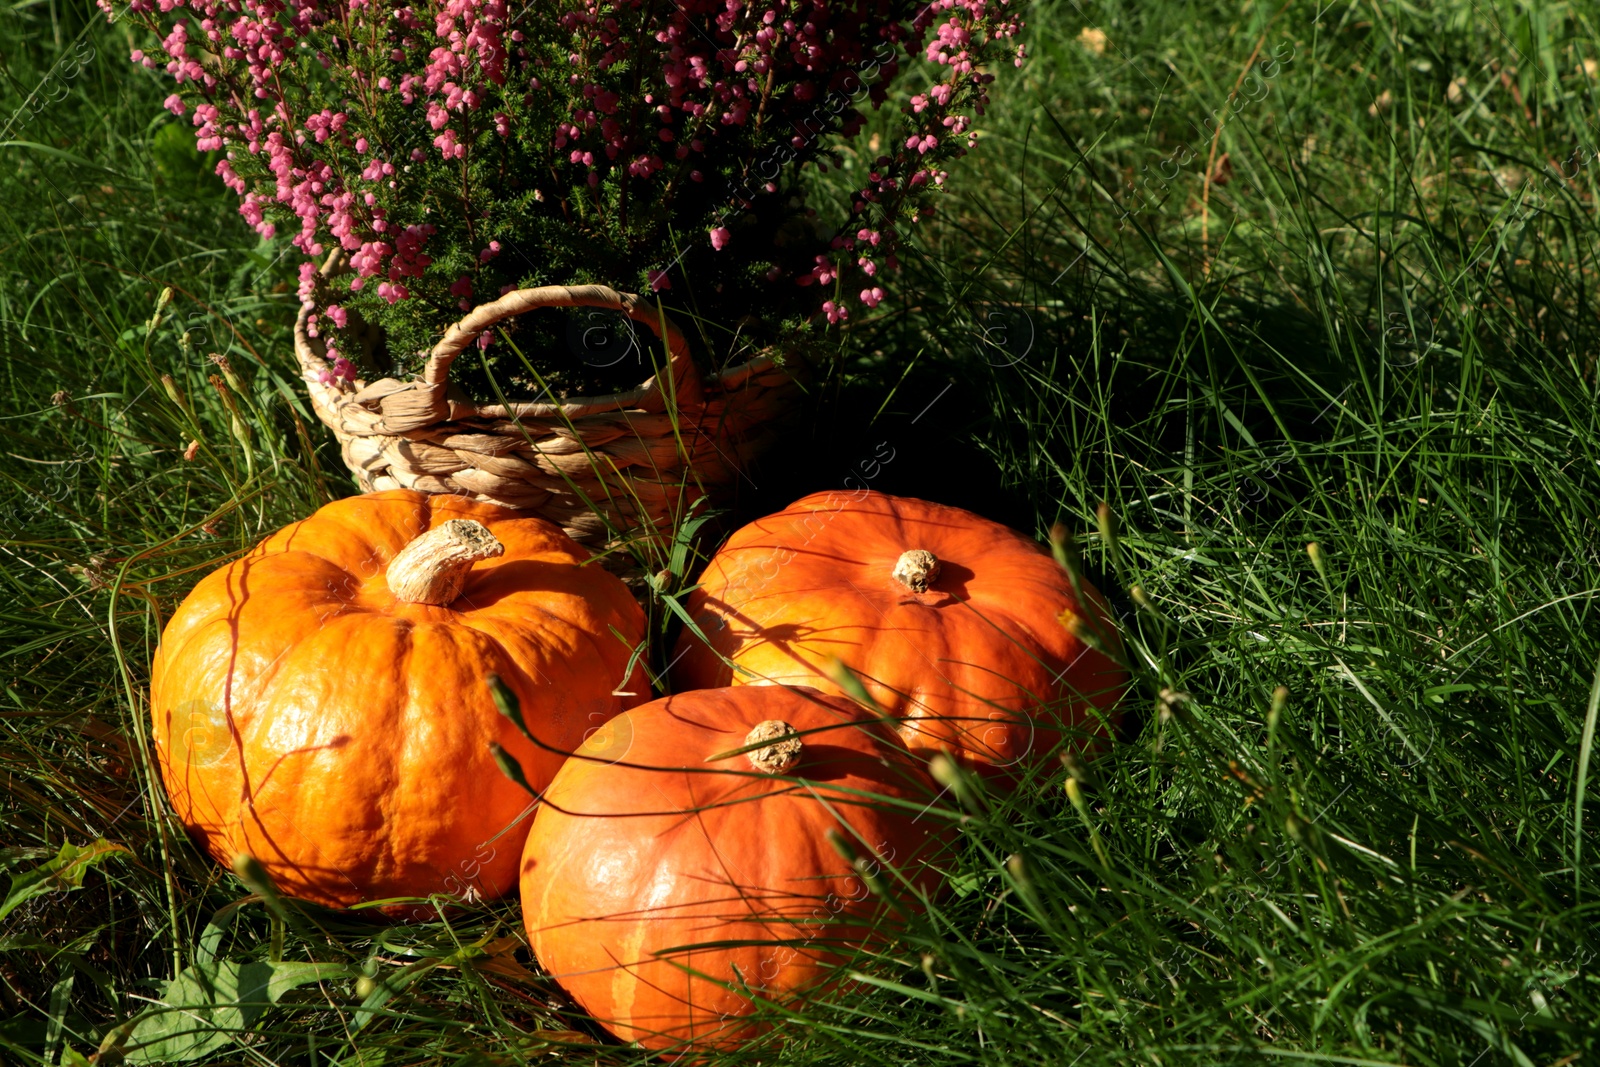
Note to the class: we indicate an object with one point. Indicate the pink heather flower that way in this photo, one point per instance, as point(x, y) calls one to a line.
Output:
point(317, 172)
point(836, 313)
point(337, 315)
point(462, 286)
point(448, 146)
point(658, 280)
point(308, 278)
point(344, 370)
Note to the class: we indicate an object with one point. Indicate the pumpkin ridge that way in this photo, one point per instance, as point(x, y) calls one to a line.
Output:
point(307, 841)
point(526, 678)
point(509, 608)
point(385, 864)
point(584, 634)
point(293, 803)
point(1037, 647)
point(722, 861)
point(527, 538)
point(415, 743)
point(222, 616)
point(1046, 642)
point(469, 653)
point(363, 524)
point(465, 727)
point(213, 597)
point(594, 641)
point(903, 701)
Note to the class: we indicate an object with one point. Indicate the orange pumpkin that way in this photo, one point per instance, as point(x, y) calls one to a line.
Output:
point(321, 703)
point(658, 887)
point(953, 623)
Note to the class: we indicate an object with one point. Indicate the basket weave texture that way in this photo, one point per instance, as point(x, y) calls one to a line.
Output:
point(632, 457)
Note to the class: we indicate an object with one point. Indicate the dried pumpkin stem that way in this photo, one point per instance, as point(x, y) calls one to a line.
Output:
point(433, 567)
point(781, 755)
point(917, 569)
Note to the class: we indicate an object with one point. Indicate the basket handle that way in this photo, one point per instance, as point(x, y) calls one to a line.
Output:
point(680, 364)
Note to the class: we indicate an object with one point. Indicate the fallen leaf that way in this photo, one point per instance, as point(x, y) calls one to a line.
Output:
point(66, 871)
point(1222, 173)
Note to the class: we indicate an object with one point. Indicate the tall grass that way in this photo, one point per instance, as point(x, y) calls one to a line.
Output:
point(1349, 819)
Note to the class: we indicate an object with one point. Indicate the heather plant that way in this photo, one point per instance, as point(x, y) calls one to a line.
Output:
point(452, 150)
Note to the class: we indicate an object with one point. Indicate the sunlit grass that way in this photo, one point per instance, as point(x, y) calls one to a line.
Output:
point(1372, 329)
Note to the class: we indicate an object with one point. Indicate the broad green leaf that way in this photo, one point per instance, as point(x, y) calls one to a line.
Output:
point(207, 1004)
point(66, 871)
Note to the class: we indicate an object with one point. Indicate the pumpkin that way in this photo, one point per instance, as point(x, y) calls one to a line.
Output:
point(660, 883)
point(320, 703)
point(965, 631)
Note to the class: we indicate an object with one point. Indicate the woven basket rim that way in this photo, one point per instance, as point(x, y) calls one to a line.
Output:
point(605, 468)
point(686, 378)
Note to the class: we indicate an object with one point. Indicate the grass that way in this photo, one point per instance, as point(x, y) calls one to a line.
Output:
point(1359, 315)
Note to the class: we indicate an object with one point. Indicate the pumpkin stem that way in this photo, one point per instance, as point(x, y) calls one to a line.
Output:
point(917, 569)
point(781, 755)
point(433, 567)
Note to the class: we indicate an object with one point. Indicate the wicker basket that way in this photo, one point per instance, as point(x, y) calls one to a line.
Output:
point(605, 468)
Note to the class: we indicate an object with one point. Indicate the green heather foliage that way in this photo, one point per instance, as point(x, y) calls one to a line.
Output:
point(1259, 276)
